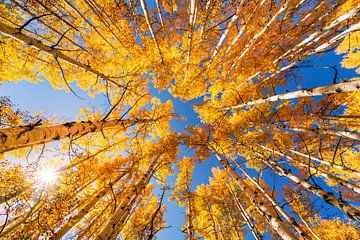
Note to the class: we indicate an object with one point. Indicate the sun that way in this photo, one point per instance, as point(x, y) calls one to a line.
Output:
point(46, 177)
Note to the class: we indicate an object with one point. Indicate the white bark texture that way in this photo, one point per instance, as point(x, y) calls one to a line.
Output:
point(308, 92)
point(20, 137)
point(274, 220)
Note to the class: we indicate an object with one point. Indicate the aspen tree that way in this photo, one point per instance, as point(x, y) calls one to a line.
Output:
point(351, 211)
point(115, 222)
point(230, 58)
point(268, 211)
point(19, 137)
point(311, 92)
point(247, 218)
point(318, 171)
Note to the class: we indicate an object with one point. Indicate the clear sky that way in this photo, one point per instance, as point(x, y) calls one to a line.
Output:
point(42, 97)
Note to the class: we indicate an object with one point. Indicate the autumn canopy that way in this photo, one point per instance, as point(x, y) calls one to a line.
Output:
point(288, 157)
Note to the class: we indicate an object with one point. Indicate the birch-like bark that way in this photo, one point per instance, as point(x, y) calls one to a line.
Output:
point(213, 223)
point(309, 228)
point(316, 36)
point(328, 197)
point(85, 209)
point(324, 131)
point(17, 35)
point(275, 222)
point(288, 218)
point(160, 13)
point(20, 137)
point(13, 224)
point(317, 171)
point(118, 218)
point(192, 20)
point(243, 28)
point(263, 30)
point(308, 92)
point(222, 38)
point(146, 15)
point(5, 198)
point(203, 25)
point(189, 217)
point(255, 232)
point(327, 163)
point(353, 28)
point(234, 222)
point(312, 38)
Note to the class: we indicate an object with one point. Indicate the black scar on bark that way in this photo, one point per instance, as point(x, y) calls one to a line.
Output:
point(68, 124)
point(338, 90)
point(3, 137)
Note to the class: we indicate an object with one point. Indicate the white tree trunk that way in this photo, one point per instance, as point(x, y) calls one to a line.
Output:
point(222, 38)
point(328, 197)
point(275, 222)
point(308, 92)
point(122, 211)
point(17, 35)
point(255, 232)
point(331, 164)
point(73, 220)
point(160, 14)
point(146, 15)
point(20, 137)
point(324, 131)
point(288, 218)
point(317, 171)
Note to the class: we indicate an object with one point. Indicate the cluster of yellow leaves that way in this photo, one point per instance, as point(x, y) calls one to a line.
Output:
point(350, 46)
point(182, 193)
point(147, 218)
point(336, 229)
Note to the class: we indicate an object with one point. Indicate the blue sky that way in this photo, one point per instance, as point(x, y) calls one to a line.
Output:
point(42, 97)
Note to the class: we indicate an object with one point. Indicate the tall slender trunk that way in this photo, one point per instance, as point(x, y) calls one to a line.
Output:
point(234, 222)
point(324, 131)
point(160, 14)
point(213, 223)
point(189, 217)
point(223, 37)
point(147, 18)
point(20, 137)
point(312, 38)
point(13, 224)
point(308, 92)
point(117, 219)
point(309, 228)
point(263, 30)
point(353, 28)
point(331, 164)
point(304, 48)
point(5, 198)
point(317, 171)
point(17, 35)
point(255, 232)
point(288, 218)
point(203, 25)
point(275, 222)
point(192, 21)
point(328, 197)
point(85, 209)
